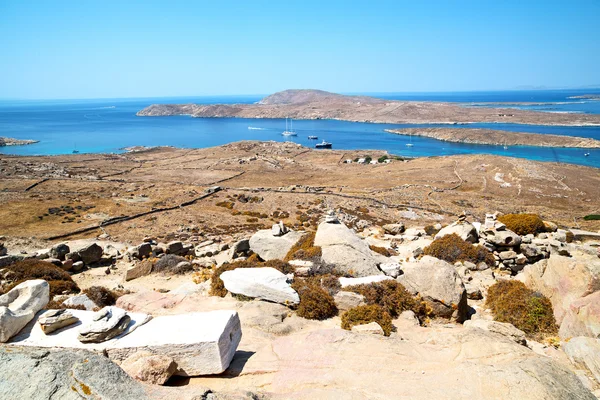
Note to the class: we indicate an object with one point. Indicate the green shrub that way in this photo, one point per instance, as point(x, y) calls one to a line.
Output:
point(366, 314)
point(59, 280)
point(592, 217)
point(368, 159)
point(390, 295)
point(452, 248)
point(382, 159)
point(315, 302)
point(304, 249)
point(511, 301)
point(523, 224)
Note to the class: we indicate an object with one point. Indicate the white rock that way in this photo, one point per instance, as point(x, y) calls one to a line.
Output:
point(56, 319)
point(347, 300)
point(105, 325)
point(465, 230)
point(390, 269)
point(301, 263)
point(19, 306)
point(345, 282)
point(584, 352)
point(270, 247)
point(263, 283)
point(80, 300)
point(372, 328)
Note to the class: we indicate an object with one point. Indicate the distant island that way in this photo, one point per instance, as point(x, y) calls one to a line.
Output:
point(318, 104)
point(4, 141)
point(587, 96)
point(500, 138)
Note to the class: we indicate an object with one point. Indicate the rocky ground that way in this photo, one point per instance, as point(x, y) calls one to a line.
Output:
point(109, 220)
point(498, 138)
point(316, 104)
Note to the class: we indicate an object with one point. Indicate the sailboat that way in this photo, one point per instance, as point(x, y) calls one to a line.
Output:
point(410, 144)
point(289, 132)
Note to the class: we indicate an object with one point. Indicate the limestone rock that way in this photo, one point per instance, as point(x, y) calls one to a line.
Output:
point(140, 251)
point(19, 306)
point(200, 343)
point(505, 238)
point(279, 229)
point(107, 323)
point(270, 247)
point(80, 300)
point(582, 317)
point(41, 374)
point(345, 282)
point(465, 230)
point(347, 300)
point(263, 283)
point(54, 320)
point(439, 284)
point(390, 269)
point(138, 270)
point(350, 254)
point(150, 368)
point(501, 328)
point(372, 328)
point(90, 254)
point(393, 229)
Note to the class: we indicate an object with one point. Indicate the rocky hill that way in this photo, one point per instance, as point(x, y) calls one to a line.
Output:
point(4, 141)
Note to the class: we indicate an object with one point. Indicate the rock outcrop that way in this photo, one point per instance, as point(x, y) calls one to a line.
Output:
point(19, 306)
point(342, 248)
point(270, 247)
point(262, 283)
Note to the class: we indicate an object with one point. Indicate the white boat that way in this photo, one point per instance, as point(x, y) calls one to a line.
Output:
point(323, 145)
point(587, 154)
point(289, 132)
point(410, 144)
point(313, 137)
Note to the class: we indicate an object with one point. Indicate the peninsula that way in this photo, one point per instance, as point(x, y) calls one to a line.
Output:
point(4, 141)
point(500, 138)
point(318, 104)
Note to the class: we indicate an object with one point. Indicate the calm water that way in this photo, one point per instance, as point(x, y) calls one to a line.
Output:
point(94, 126)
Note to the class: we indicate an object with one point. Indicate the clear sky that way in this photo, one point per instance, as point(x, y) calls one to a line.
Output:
point(126, 48)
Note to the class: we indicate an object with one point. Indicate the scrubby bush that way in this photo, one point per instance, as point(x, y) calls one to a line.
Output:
point(511, 301)
point(453, 248)
point(329, 281)
point(280, 266)
point(315, 302)
point(366, 314)
point(382, 159)
point(390, 295)
point(304, 249)
point(523, 224)
point(102, 296)
point(380, 250)
point(592, 217)
point(59, 280)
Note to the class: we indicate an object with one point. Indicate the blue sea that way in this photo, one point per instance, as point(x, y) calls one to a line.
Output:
point(109, 125)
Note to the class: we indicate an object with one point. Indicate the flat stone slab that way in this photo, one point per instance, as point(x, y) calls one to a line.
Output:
point(200, 343)
point(262, 283)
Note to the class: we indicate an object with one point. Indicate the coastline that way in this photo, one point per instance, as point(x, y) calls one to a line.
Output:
point(5, 141)
point(499, 138)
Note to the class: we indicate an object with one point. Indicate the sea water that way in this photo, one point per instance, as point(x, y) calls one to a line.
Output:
point(105, 126)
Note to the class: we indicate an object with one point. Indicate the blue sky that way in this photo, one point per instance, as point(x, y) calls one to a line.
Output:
point(94, 49)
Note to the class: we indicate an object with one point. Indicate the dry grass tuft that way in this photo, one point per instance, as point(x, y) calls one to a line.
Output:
point(523, 224)
point(391, 296)
point(452, 248)
point(380, 250)
point(315, 302)
point(59, 280)
point(102, 296)
point(304, 249)
point(365, 314)
point(511, 301)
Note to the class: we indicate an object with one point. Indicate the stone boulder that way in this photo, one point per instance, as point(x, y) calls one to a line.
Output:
point(54, 320)
point(438, 283)
point(19, 306)
point(106, 324)
point(90, 254)
point(80, 300)
point(41, 374)
point(341, 247)
point(140, 251)
point(175, 247)
point(347, 300)
point(503, 238)
point(263, 283)
point(150, 368)
point(372, 328)
point(269, 247)
point(465, 230)
point(59, 251)
point(393, 229)
point(563, 280)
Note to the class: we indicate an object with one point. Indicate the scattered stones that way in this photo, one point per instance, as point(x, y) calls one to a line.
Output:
point(19, 306)
point(107, 323)
point(54, 320)
point(263, 283)
point(151, 368)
